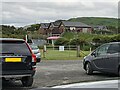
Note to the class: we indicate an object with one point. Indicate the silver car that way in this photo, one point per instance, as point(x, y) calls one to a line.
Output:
point(36, 51)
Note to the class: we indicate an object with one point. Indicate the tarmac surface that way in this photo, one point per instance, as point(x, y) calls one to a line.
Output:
point(52, 73)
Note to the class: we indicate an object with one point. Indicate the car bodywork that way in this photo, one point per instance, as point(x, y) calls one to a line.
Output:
point(17, 61)
point(105, 58)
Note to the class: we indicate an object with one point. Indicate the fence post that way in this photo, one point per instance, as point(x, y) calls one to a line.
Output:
point(44, 51)
point(53, 44)
point(78, 51)
point(69, 50)
point(90, 49)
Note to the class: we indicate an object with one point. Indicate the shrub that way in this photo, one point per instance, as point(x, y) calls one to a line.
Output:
point(77, 41)
point(115, 38)
point(105, 39)
point(61, 41)
point(86, 47)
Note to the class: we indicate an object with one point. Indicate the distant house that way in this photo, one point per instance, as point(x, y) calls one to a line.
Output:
point(59, 27)
point(103, 28)
point(77, 27)
point(53, 29)
point(44, 28)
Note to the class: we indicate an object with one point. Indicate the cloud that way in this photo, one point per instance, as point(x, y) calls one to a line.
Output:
point(60, 1)
point(23, 13)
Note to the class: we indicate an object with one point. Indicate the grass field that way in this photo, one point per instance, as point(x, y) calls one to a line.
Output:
point(63, 55)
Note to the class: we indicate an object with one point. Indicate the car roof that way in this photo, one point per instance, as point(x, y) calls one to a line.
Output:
point(114, 43)
point(11, 39)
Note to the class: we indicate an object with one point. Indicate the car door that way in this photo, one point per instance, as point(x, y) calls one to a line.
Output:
point(113, 57)
point(100, 58)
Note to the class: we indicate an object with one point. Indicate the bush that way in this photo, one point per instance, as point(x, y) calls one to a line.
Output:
point(115, 38)
point(99, 41)
point(105, 39)
point(86, 48)
point(96, 40)
point(78, 41)
point(61, 41)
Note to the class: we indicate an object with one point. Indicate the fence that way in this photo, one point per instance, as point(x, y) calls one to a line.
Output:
point(63, 53)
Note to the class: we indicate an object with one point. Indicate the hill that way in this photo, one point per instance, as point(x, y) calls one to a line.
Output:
point(96, 21)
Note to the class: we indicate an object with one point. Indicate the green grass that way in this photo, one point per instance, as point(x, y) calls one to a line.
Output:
point(63, 55)
point(96, 21)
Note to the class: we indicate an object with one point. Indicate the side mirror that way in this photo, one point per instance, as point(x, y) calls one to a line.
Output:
point(93, 54)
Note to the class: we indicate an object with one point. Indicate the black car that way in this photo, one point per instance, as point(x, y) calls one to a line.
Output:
point(17, 61)
point(105, 58)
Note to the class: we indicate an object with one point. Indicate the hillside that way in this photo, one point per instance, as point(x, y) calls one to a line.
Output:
point(96, 21)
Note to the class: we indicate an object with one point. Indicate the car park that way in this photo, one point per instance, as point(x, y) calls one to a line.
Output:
point(105, 58)
point(17, 60)
point(36, 51)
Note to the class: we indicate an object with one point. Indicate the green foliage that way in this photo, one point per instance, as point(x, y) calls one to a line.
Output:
point(104, 32)
point(68, 35)
point(33, 27)
point(86, 47)
point(105, 39)
point(12, 32)
point(36, 35)
point(96, 21)
point(77, 41)
point(115, 38)
point(86, 40)
point(62, 41)
point(84, 36)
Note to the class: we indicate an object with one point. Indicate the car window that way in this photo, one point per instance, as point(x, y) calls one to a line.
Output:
point(102, 50)
point(34, 47)
point(17, 48)
point(114, 48)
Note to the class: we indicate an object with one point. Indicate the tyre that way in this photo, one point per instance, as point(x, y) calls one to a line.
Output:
point(89, 70)
point(27, 81)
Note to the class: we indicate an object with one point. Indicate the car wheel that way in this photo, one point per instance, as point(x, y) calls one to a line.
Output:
point(89, 70)
point(27, 81)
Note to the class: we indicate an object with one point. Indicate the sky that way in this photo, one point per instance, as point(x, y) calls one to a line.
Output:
point(26, 12)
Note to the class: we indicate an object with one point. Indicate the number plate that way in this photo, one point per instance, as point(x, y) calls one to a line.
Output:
point(12, 59)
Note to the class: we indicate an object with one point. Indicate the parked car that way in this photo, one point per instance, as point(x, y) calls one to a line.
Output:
point(36, 51)
point(17, 61)
point(105, 58)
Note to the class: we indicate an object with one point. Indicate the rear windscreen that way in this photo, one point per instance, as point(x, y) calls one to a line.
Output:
point(15, 47)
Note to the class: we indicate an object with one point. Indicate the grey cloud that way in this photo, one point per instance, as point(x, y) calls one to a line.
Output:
point(22, 13)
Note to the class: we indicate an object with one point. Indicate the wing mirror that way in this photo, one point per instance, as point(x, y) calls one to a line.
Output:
point(93, 54)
